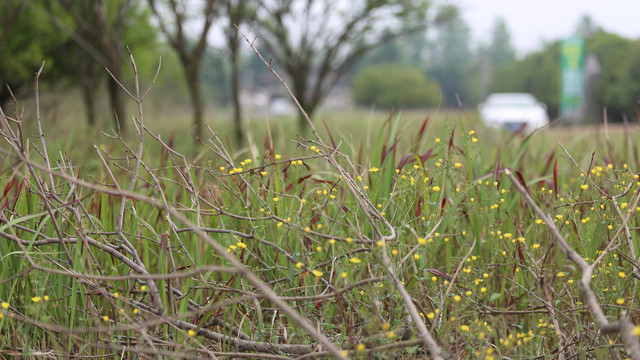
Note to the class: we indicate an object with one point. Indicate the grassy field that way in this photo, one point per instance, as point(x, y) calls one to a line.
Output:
point(391, 237)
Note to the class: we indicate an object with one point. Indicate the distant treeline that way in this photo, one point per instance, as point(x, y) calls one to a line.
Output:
point(391, 53)
point(446, 58)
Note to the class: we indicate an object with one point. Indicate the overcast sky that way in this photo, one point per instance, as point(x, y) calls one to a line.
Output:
point(532, 22)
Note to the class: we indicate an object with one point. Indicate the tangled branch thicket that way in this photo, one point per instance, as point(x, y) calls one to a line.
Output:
point(306, 257)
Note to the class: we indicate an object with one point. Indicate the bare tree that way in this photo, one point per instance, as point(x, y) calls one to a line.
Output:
point(237, 12)
point(172, 17)
point(316, 42)
point(101, 25)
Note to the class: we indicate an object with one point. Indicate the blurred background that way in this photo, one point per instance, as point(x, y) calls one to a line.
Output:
point(338, 57)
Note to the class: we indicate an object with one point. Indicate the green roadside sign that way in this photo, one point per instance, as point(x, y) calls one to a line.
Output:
point(572, 76)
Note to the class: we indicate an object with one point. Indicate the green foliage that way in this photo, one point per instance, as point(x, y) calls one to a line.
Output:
point(142, 37)
point(618, 85)
point(390, 86)
point(41, 30)
point(216, 76)
point(450, 60)
point(395, 51)
point(27, 39)
point(501, 49)
point(587, 27)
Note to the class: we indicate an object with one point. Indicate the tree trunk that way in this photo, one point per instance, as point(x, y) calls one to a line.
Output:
point(303, 125)
point(235, 95)
point(89, 98)
point(302, 122)
point(300, 92)
point(116, 99)
point(89, 81)
point(196, 100)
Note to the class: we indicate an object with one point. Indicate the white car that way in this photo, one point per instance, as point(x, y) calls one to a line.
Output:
point(281, 106)
point(513, 111)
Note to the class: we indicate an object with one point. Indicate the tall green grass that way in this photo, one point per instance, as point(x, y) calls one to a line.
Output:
point(486, 280)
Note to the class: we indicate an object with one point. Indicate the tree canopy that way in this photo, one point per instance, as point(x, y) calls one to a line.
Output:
point(26, 40)
point(501, 49)
point(316, 54)
point(390, 85)
point(616, 89)
point(315, 44)
point(450, 60)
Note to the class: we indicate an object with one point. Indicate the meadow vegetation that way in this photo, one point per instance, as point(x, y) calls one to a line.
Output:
point(408, 236)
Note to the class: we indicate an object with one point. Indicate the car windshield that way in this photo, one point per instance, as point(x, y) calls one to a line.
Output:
point(511, 100)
